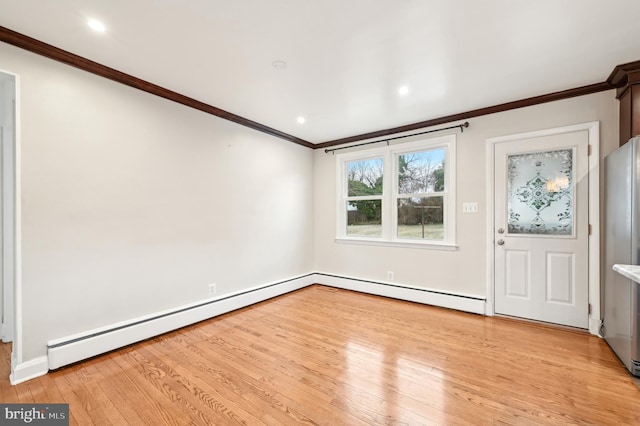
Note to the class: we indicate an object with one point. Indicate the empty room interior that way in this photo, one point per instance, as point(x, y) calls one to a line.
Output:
point(333, 213)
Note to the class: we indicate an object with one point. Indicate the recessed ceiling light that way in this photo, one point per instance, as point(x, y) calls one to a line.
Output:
point(301, 120)
point(279, 65)
point(96, 25)
point(403, 90)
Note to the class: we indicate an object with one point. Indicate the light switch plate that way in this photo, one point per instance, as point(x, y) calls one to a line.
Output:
point(470, 207)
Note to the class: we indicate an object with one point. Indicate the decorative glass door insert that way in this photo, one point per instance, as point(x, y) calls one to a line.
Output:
point(540, 192)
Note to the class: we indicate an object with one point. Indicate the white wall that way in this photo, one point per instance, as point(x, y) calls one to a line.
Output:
point(462, 271)
point(132, 204)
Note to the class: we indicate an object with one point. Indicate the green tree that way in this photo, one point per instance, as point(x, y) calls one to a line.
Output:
point(358, 188)
point(438, 175)
point(368, 211)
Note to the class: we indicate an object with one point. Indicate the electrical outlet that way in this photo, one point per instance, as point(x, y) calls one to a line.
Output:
point(390, 275)
point(212, 288)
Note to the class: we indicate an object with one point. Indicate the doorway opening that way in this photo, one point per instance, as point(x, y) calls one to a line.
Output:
point(8, 237)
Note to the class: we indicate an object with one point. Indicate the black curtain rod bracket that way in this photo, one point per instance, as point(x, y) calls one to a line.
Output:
point(460, 126)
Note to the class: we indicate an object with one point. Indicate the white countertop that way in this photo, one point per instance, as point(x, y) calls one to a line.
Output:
point(630, 271)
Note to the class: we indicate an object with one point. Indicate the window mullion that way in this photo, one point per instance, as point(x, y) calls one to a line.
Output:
point(389, 201)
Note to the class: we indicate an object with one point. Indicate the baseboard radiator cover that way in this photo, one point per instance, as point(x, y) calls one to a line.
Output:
point(81, 346)
point(461, 302)
point(65, 351)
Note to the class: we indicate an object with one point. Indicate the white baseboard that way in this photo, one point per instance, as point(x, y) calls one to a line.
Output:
point(74, 348)
point(460, 302)
point(28, 370)
point(594, 326)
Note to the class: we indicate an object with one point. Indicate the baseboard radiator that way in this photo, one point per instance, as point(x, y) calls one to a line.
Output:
point(75, 348)
point(460, 302)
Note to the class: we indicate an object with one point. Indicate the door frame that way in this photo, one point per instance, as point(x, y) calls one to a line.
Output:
point(593, 129)
point(11, 280)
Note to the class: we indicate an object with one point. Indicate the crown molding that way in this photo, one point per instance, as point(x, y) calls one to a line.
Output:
point(619, 78)
point(623, 76)
point(550, 97)
point(38, 47)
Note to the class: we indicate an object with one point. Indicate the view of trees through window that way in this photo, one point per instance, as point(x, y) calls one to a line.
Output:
point(419, 195)
point(420, 205)
point(364, 181)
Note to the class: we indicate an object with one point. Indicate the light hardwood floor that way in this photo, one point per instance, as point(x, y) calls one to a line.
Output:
point(333, 357)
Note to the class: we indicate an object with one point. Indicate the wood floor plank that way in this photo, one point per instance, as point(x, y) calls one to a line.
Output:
point(120, 387)
point(327, 356)
point(278, 376)
point(231, 388)
point(151, 402)
point(269, 388)
point(213, 405)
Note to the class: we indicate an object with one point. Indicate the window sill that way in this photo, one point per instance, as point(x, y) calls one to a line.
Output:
point(402, 244)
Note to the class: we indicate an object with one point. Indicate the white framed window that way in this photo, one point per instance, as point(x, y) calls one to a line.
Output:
point(398, 195)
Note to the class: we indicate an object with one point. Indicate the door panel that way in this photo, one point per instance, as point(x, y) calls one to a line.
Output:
point(517, 273)
point(560, 282)
point(541, 228)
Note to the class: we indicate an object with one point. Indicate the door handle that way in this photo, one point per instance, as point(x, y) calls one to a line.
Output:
point(500, 242)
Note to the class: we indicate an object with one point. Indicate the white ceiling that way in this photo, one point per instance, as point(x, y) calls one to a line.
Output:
point(345, 59)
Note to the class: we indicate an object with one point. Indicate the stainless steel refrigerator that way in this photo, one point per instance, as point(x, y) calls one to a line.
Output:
point(621, 325)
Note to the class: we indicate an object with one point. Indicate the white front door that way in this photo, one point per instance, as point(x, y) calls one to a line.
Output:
point(541, 188)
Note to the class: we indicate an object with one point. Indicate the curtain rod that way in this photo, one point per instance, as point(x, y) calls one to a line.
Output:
point(461, 126)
